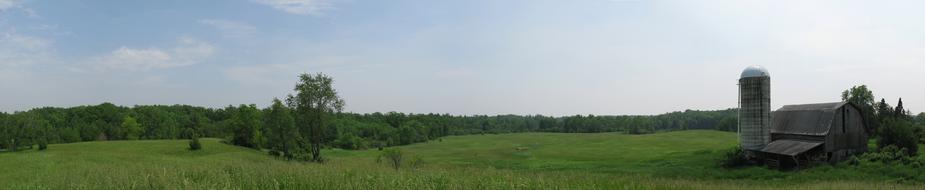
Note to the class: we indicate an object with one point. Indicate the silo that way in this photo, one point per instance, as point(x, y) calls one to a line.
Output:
point(754, 108)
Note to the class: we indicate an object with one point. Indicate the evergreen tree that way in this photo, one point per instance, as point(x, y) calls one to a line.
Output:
point(900, 112)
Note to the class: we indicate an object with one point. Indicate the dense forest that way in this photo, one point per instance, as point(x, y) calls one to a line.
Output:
point(345, 130)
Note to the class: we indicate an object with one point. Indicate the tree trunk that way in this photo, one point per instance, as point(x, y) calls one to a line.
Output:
point(316, 152)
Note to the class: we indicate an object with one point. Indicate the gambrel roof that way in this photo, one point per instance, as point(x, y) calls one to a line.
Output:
point(806, 119)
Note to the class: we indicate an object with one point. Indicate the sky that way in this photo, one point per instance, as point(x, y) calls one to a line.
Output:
point(550, 57)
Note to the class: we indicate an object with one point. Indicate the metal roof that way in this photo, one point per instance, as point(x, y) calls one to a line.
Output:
point(805, 119)
point(818, 106)
point(755, 71)
point(790, 147)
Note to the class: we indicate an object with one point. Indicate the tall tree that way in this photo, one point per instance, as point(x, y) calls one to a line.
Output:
point(131, 127)
point(283, 136)
point(246, 124)
point(314, 101)
point(864, 99)
point(884, 110)
point(900, 111)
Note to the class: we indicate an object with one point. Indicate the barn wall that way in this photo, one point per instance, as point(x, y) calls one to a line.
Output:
point(846, 135)
point(856, 127)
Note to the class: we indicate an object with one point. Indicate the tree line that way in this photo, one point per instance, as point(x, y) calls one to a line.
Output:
point(251, 126)
point(310, 119)
point(298, 126)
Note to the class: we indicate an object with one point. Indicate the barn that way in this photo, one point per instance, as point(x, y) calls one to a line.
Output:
point(802, 134)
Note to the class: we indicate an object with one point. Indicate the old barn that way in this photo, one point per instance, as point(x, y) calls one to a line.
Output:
point(801, 134)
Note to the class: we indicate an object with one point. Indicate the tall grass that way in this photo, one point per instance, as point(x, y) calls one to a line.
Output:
point(169, 165)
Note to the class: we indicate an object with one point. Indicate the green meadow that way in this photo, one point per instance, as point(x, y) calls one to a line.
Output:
point(671, 160)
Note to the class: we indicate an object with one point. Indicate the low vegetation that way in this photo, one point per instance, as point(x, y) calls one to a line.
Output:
point(194, 144)
point(670, 160)
point(733, 158)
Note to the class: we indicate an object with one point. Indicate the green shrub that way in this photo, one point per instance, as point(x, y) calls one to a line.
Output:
point(43, 145)
point(734, 157)
point(194, 144)
point(394, 156)
point(889, 154)
point(853, 160)
point(899, 133)
point(350, 142)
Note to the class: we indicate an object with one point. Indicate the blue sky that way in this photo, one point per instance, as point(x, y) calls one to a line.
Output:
point(605, 57)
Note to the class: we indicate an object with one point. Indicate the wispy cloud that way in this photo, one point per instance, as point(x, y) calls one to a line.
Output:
point(301, 7)
point(187, 52)
point(230, 29)
point(7, 4)
point(17, 49)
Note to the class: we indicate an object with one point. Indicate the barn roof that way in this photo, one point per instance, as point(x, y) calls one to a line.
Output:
point(805, 119)
point(790, 147)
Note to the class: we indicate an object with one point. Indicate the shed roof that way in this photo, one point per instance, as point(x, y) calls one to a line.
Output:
point(805, 119)
point(790, 147)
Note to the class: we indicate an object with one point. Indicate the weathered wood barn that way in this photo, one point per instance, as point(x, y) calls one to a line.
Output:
point(801, 134)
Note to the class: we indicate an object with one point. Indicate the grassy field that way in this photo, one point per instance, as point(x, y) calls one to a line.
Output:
point(673, 160)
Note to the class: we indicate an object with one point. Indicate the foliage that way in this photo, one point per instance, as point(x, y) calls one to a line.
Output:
point(246, 124)
point(276, 125)
point(889, 154)
point(349, 141)
point(314, 103)
point(194, 144)
point(283, 136)
point(393, 156)
point(733, 158)
point(43, 145)
point(863, 98)
point(311, 119)
point(132, 128)
point(899, 133)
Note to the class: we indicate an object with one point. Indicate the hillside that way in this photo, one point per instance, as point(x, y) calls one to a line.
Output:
point(684, 159)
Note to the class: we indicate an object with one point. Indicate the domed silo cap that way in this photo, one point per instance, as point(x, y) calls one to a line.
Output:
point(755, 71)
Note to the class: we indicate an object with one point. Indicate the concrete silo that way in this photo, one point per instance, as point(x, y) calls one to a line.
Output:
point(754, 108)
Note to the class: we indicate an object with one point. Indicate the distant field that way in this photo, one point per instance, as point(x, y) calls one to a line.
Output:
point(686, 160)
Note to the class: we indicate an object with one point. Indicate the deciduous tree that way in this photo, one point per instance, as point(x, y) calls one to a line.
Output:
point(314, 102)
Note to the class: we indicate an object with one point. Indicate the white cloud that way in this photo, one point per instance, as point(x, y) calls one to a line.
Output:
point(188, 52)
point(230, 29)
point(17, 49)
point(302, 7)
point(7, 4)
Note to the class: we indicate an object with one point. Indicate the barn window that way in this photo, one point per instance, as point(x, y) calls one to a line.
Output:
point(843, 119)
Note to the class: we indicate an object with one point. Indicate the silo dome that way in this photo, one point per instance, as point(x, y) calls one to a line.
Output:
point(755, 71)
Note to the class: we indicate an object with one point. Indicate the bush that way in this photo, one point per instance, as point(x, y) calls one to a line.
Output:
point(349, 142)
point(194, 144)
point(853, 160)
point(899, 133)
point(394, 156)
point(43, 144)
point(734, 157)
point(889, 154)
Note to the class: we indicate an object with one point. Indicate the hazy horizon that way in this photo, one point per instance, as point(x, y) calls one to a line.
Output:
point(602, 57)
